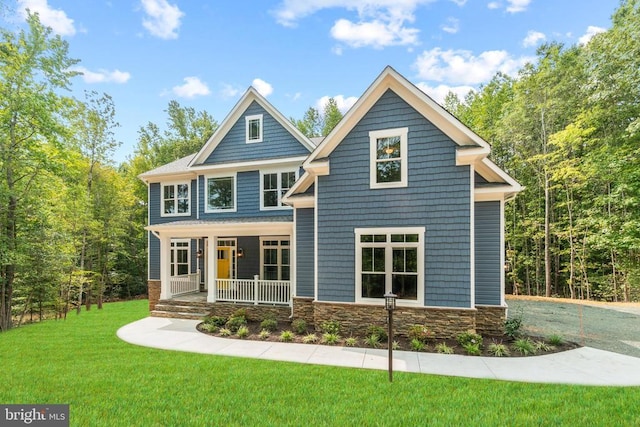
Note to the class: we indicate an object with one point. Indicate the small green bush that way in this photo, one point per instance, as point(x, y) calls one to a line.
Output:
point(555, 340)
point(372, 341)
point(351, 342)
point(224, 332)
point(269, 325)
point(241, 312)
point(310, 339)
point(330, 339)
point(395, 345)
point(330, 327)
point(542, 346)
point(513, 325)
point(443, 348)
point(242, 332)
point(264, 334)
point(499, 349)
point(210, 328)
point(472, 349)
point(379, 331)
point(299, 326)
point(524, 346)
point(420, 332)
point(234, 323)
point(286, 336)
point(218, 321)
point(417, 345)
point(469, 337)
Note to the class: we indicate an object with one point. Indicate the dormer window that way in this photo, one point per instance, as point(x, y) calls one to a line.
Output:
point(254, 128)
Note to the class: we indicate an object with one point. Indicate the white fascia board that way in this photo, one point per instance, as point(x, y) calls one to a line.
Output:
point(301, 202)
point(227, 229)
point(301, 185)
point(287, 162)
point(470, 156)
point(318, 167)
point(149, 179)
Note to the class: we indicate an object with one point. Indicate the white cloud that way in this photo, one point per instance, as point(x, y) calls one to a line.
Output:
point(591, 31)
point(461, 67)
point(516, 6)
point(533, 39)
point(343, 103)
point(229, 91)
point(494, 5)
point(191, 88)
point(452, 26)
point(263, 88)
point(460, 2)
point(57, 19)
point(438, 93)
point(162, 19)
point(380, 23)
point(103, 76)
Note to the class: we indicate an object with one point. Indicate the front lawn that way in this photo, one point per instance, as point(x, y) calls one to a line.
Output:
point(107, 382)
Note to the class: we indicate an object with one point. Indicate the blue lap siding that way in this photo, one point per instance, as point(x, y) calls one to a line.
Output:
point(437, 198)
point(488, 269)
point(304, 252)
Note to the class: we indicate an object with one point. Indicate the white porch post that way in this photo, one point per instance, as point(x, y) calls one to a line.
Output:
point(212, 268)
point(165, 267)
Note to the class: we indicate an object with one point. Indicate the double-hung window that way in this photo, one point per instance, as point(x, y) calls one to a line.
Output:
point(390, 260)
point(388, 163)
point(180, 262)
point(274, 186)
point(275, 258)
point(253, 128)
point(220, 193)
point(175, 199)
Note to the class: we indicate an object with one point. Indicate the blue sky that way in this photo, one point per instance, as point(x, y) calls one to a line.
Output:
point(297, 53)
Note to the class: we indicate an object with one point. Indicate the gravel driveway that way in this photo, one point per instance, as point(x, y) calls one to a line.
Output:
point(612, 327)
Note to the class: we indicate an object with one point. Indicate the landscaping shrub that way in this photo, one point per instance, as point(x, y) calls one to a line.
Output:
point(417, 345)
point(330, 338)
point(286, 336)
point(310, 339)
point(372, 341)
point(472, 349)
point(215, 321)
point(443, 348)
point(379, 331)
point(469, 337)
point(235, 322)
point(299, 326)
point(499, 349)
point(555, 340)
point(524, 346)
point(513, 325)
point(330, 327)
point(420, 332)
point(264, 334)
point(242, 332)
point(351, 342)
point(269, 325)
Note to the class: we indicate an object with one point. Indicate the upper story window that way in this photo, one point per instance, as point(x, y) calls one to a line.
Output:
point(175, 199)
point(254, 128)
point(220, 194)
point(390, 260)
point(274, 185)
point(388, 150)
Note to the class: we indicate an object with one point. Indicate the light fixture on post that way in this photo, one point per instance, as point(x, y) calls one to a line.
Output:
point(390, 306)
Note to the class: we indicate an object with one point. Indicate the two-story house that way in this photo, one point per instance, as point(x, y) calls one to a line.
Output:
point(400, 197)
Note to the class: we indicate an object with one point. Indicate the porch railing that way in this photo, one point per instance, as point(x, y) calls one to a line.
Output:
point(254, 291)
point(184, 283)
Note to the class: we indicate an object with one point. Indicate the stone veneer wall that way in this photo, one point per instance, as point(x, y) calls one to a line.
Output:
point(303, 309)
point(153, 289)
point(254, 312)
point(356, 318)
point(490, 319)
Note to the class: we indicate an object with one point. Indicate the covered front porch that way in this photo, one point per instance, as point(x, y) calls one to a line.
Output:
point(243, 262)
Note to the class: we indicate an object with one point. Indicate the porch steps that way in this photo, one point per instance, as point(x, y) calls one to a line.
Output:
point(181, 309)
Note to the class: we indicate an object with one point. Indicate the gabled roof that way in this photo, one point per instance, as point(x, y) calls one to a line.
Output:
point(176, 168)
point(251, 95)
point(472, 149)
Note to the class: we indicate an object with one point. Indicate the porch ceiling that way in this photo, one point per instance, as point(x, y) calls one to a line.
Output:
point(277, 225)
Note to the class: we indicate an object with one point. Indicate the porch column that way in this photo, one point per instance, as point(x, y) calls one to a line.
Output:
point(165, 266)
point(212, 267)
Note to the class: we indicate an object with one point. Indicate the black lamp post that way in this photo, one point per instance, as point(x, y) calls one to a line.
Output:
point(390, 305)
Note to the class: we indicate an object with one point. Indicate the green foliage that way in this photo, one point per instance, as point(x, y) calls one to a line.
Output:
point(555, 340)
point(472, 349)
point(269, 325)
point(234, 323)
point(330, 327)
point(417, 345)
point(395, 345)
point(215, 320)
point(513, 325)
point(499, 349)
point(524, 346)
point(299, 326)
point(443, 348)
point(264, 334)
point(286, 336)
point(351, 342)
point(330, 338)
point(310, 339)
point(469, 337)
point(542, 346)
point(211, 328)
point(225, 332)
point(372, 341)
point(420, 332)
point(379, 331)
point(242, 332)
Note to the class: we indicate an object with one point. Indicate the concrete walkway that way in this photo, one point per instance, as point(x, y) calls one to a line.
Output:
point(585, 366)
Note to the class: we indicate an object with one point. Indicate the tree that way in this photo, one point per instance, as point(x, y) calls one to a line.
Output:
point(34, 67)
point(314, 124)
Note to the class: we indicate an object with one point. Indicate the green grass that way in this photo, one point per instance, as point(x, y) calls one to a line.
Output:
point(107, 382)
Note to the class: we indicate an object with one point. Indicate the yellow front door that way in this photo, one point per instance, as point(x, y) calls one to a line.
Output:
point(224, 263)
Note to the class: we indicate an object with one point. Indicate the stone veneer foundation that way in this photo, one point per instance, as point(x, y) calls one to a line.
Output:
point(153, 289)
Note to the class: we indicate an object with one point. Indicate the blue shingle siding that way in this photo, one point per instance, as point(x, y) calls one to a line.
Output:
point(247, 199)
point(154, 257)
point(437, 198)
point(304, 252)
point(277, 142)
point(487, 246)
point(249, 265)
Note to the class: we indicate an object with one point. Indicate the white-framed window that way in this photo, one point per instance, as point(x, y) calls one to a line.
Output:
point(180, 259)
point(389, 158)
point(274, 185)
point(275, 258)
point(253, 128)
point(176, 199)
point(220, 193)
point(390, 260)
